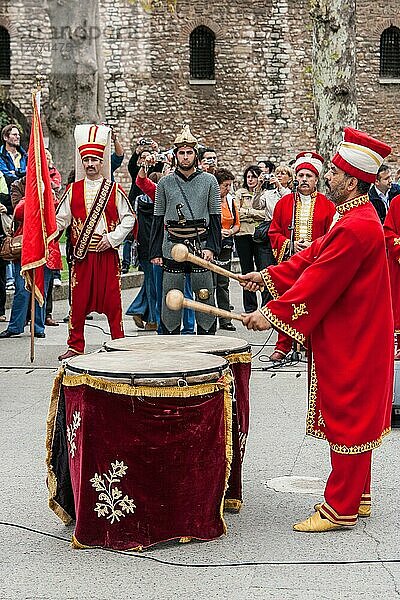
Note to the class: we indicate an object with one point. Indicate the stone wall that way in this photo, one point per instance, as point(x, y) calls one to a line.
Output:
point(378, 102)
point(261, 104)
point(30, 43)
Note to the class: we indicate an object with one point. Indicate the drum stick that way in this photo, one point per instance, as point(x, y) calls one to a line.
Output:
point(180, 253)
point(175, 300)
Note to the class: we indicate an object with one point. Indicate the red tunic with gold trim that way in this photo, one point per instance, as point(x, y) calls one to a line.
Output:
point(317, 222)
point(337, 293)
point(95, 279)
point(391, 228)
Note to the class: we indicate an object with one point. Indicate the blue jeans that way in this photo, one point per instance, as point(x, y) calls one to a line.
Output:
point(10, 272)
point(126, 254)
point(188, 313)
point(145, 302)
point(21, 303)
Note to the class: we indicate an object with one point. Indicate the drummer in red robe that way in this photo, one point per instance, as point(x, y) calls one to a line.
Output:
point(336, 292)
point(313, 214)
point(100, 217)
point(391, 229)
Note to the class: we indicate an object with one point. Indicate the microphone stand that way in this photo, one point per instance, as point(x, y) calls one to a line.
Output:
point(295, 354)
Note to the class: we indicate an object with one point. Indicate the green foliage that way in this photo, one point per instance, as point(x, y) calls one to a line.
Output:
point(64, 272)
point(5, 119)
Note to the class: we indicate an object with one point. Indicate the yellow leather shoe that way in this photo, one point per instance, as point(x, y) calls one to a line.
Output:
point(316, 524)
point(364, 510)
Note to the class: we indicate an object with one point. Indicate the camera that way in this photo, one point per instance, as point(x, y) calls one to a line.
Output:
point(161, 157)
point(145, 142)
point(266, 176)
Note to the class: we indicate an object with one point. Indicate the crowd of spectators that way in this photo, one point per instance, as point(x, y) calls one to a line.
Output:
point(247, 201)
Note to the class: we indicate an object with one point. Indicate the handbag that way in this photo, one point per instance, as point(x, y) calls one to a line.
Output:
point(6, 222)
point(260, 235)
point(11, 247)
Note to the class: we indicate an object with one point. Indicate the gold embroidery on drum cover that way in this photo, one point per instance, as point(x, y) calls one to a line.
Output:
point(72, 428)
point(113, 504)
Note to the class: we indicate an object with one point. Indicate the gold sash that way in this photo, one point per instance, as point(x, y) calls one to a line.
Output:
point(91, 221)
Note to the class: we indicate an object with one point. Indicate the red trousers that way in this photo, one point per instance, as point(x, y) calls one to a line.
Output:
point(284, 343)
point(348, 486)
point(95, 287)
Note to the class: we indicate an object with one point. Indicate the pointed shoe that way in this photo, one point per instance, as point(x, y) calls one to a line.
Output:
point(364, 510)
point(316, 524)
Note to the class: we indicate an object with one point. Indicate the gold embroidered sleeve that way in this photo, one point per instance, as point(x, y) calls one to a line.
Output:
point(282, 326)
point(281, 254)
point(269, 284)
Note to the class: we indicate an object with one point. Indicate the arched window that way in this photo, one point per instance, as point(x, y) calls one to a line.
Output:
point(5, 54)
point(390, 53)
point(202, 53)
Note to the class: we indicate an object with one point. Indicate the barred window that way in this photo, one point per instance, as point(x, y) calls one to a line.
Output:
point(390, 53)
point(202, 53)
point(5, 54)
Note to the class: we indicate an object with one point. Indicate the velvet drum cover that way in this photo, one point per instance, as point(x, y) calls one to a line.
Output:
point(134, 465)
point(238, 354)
point(241, 371)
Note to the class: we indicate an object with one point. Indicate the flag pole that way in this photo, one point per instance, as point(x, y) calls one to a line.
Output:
point(33, 317)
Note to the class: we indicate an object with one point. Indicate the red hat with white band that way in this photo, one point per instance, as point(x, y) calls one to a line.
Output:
point(360, 155)
point(94, 141)
point(309, 160)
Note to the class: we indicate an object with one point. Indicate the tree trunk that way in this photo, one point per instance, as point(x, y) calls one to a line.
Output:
point(334, 70)
point(76, 86)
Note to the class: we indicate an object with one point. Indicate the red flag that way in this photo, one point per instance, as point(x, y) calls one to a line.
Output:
point(39, 214)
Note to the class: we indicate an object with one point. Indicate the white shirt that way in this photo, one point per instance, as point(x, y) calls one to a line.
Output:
point(126, 217)
point(383, 197)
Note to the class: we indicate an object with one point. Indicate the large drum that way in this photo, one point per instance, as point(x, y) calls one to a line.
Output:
point(237, 353)
point(139, 447)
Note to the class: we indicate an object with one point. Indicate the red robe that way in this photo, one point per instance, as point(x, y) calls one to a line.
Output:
point(95, 280)
point(391, 229)
point(322, 211)
point(337, 293)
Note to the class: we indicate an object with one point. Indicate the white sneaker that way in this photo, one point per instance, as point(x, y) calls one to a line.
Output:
point(57, 282)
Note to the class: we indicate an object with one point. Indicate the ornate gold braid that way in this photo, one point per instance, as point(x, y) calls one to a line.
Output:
point(318, 433)
point(269, 284)
point(311, 217)
point(282, 252)
point(359, 201)
point(358, 449)
point(278, 324)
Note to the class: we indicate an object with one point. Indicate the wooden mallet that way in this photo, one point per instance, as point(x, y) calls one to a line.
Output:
point(175, 300)
point(180, 253)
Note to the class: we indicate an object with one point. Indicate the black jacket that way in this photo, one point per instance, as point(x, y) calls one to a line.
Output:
point(379, 205)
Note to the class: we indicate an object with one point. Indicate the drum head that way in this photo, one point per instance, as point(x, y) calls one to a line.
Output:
point(208, 344)
point(150, 367)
